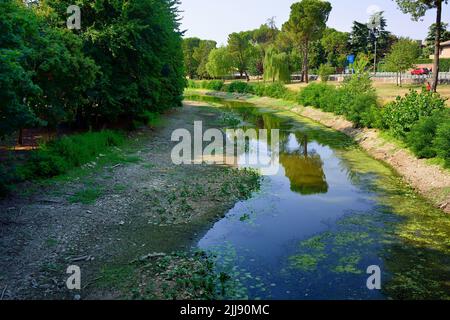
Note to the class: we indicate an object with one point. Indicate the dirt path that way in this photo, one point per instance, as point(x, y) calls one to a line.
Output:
point(429, 180)
point(105, 218)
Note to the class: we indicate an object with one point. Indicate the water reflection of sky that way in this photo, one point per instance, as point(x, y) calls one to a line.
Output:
point(310, 192)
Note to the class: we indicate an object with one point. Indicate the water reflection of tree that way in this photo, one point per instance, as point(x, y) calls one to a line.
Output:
point(304, 169)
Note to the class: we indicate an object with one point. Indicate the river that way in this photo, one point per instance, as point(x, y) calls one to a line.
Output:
point(330, 213)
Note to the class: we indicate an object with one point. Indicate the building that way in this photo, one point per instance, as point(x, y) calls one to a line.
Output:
point(445, 50)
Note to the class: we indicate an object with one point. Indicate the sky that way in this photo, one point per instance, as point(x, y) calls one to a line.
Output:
point(215, 19)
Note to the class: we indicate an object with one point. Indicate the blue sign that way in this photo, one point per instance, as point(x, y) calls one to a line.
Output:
point(351, 59)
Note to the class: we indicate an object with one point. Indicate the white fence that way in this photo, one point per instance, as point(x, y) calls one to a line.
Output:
point(444, 77)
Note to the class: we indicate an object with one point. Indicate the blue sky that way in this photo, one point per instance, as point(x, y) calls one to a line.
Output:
point(215, 19)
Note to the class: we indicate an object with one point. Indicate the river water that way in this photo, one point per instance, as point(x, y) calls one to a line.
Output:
point(330, 213)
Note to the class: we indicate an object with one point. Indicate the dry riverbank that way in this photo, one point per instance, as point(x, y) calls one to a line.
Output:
point(120, 223)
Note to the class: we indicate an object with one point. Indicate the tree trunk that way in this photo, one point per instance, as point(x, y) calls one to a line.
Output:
point(437, 45)
point(400, 79)
point(247, 76)
point(20, 138)
point(305, 75)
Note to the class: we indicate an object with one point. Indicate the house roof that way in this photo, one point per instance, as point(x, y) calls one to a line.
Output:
point(445, 44)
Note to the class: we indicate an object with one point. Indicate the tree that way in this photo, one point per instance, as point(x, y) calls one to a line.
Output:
point(201, 54)
point(402, 57)
point(220, 62)
point(137, 46)
point(262, 38)
point(242, 51)
point(365, 36)
point(276, 66)
point(335, 44)
point(306, 24)
point(445, 36)
point(190, 63)
point(417, 9)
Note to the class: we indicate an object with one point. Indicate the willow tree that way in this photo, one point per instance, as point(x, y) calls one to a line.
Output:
point(220, 63)
point(276, 66)
point(417, 9)
point(306, 24)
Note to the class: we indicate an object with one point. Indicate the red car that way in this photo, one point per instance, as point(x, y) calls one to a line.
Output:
point(420, 72)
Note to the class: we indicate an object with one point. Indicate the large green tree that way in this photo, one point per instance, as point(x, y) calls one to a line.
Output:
point(190, 63)
point(44, 72)
point(403, 55)
point(201, 55)
point(220, 63)
point(335, 44)
point(306, 24)
point(242, 51)
point(417, 9)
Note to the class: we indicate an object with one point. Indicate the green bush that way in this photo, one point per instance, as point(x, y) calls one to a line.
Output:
point(192, 84)
point(444, 65)
point(420, 138)
point(7, 176)
point(442, 142)
point(216, 85)
point(240, 87)
point(356, 100)
point(363, 110)
point(325, 71)
point(313, 94)
point(276, 90)
point(58, 156)
point(401, 115)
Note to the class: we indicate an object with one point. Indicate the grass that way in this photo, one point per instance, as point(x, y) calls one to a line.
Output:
point(386, 91)
point(86, 196)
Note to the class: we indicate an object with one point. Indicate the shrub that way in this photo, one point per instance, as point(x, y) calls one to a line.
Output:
point(275, 90)
point(363, 110)
point(401, 115)
point(6, 178)
point(60, 155)
point(325, 71)
point(216, 85)
point(314, 95)
point(240, 87)
point(420, 138)
point(193, 84)
point(442, 142)
point(259, 89)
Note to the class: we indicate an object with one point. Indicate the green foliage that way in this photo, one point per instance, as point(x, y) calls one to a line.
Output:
point(240, 87)
point(402, 56)
point(356, 100)
point(190, 62)
point(220, 63)
point(276, 66)
point(121, 65)
point(241, 50)
point(58, 156)
point(313, 96)
point(306, 24)
point(420, 138)
point(216, 85)
point(401, 115)
point(442, 141)
point(335, 44)
point(201, 55)
point(325, 71)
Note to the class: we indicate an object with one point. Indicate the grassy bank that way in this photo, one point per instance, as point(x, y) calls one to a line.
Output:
point(62, 155)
